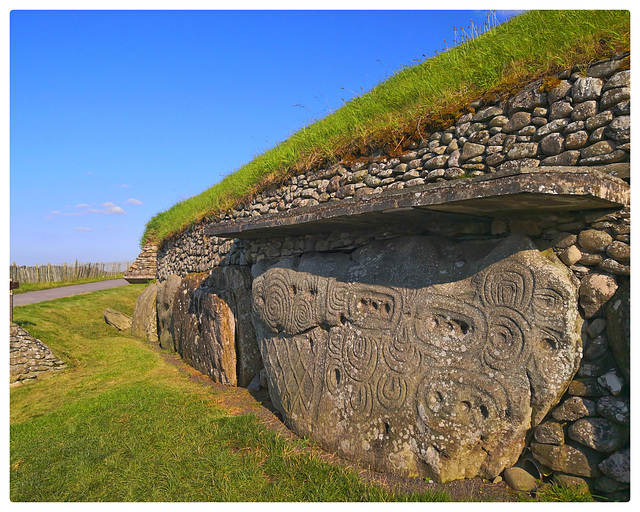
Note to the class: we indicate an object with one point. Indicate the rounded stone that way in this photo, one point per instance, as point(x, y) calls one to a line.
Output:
point(599, 433)
point(549, 432)
point(573, 482)
point(552, 144)
point(576, 140)
point(619, 251)
point(618, 466)
point(517, 121)
point(519, 479)
point(584, 110)
point(616, 409)
point(595, 291)
point(586, 88)
point(594, 240)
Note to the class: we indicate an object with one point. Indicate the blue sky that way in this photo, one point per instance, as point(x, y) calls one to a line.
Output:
point(117, 115)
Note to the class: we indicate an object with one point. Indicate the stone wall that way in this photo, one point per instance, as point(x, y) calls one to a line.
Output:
point(145, 265)
point(571, 119)
point(580, 434)
point(29, 357)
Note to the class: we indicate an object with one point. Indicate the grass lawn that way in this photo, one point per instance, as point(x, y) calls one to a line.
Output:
point(122, 424)
point(47, 285)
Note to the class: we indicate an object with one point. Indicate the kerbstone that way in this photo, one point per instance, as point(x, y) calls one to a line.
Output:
point(408, 361)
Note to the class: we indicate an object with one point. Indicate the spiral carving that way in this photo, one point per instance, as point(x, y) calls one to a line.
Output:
point(287, 302)
point(506, 343)
point(336, 301)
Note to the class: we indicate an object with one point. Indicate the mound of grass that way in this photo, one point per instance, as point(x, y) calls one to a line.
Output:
point(123, 424)
point(415, 101)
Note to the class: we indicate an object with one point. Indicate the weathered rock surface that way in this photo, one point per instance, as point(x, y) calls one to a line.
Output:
point(618, 466)
point(595, 291)
point(232, 286)
point(212, 325)
point(600, 434)
point(165, 298)
point(574, 460)
point(118, 320)
point(419, 355)
point(145, 314)
point(619, 327)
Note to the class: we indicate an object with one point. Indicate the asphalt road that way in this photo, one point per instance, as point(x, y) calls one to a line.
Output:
point(22, 299)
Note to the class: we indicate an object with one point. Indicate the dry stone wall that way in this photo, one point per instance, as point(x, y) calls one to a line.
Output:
point(577, 429)
point(29, 357)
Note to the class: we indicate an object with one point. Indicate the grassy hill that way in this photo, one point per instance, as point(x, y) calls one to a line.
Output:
point(417, 100)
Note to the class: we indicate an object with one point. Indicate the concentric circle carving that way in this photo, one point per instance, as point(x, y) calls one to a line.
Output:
point(508, 284)
point(359, 356)
point(507, 339)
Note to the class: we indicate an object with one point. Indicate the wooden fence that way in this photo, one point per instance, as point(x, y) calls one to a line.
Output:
point(66, 271)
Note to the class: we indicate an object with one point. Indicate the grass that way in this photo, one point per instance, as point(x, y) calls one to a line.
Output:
point(47, 285)
point(122, 424)
point(556, 493)
point(415, 101)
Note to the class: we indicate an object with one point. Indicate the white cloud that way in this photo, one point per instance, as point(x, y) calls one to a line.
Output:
point(58, 212)
point(111, 209)
point(124, 186)
point(82, 205)
point(114, 210)
point(83, 229)
point(131, 200)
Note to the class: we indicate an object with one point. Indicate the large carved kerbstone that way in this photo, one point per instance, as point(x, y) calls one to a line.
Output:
point(419, 356)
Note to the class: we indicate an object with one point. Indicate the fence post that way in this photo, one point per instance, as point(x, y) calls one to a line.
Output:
point(12, 286)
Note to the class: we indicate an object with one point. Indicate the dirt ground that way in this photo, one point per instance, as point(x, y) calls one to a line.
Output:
point(239, 401)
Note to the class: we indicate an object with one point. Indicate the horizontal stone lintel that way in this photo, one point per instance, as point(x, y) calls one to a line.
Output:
point(525, 190)
point(139, 279)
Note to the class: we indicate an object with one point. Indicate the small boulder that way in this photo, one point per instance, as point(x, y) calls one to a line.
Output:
point(595, 291)
point(519, 479)
point(618, 466)
point(118, 320)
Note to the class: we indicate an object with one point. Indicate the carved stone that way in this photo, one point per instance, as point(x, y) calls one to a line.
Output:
point(420, 355)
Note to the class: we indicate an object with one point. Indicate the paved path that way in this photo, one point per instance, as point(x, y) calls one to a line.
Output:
point(22, 299)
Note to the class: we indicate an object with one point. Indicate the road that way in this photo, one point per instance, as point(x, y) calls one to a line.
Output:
point(22, 299)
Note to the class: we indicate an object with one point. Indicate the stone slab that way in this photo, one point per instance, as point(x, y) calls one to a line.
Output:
point(526, 189)
point(419, 356)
